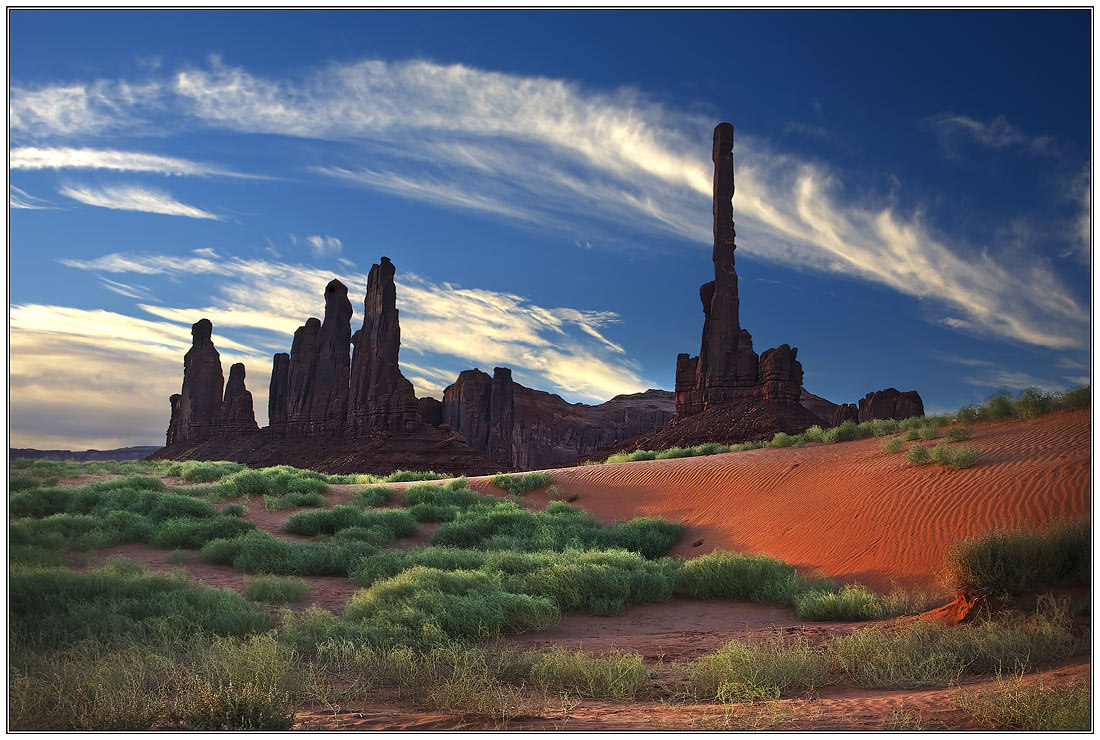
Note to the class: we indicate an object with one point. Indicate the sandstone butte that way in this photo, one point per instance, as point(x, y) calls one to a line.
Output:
point(338, 401)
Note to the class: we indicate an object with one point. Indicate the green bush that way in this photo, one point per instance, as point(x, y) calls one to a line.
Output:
point(1013, 704)
point(275, 589)
point(260, 552)
point(757, 671)
point(207, 471)
point(891, 445)
point(233, 510)
point(408, 476)
point(521, 483)
point(192, 533)
point(929, 431)
point(617, 675)
point(846, 432)
point(435, 495)
point(280, 481)
point(957, 434)
point(853, 603)
point(373, 496)
point(918, 454)
point(730, 575)
point(782, 439)
point(965, 457)
point(399, 522)
point(942, 454)
point(925, 654)
point(1011, 561)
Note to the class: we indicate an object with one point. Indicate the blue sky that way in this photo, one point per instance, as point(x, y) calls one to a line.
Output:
point(912, 196)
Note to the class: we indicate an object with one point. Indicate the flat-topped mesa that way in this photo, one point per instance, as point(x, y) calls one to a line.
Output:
point(727, 372)
point(196, 411)
point(381, 398)
point(890, 404)
point(238, 415)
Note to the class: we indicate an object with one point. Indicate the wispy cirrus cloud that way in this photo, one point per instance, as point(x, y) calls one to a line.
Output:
point(21, 199)
point(58, 158)
point(133, 198)
point(997, 134)
point(324, 246)
point(448, 327)
point(536, 150)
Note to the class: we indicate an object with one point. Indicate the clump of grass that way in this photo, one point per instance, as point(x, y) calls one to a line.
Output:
point(1013, 704)
point(1010, 561)
point(236, 510)
point(929, 431)
point(275, 589)
point(757, 671)
point(942, 454)
point(617, 675)
point(409, 476)
point(814, 434)
point(911, 435)
point(782, 439)
point(397, 522)
point(918, 455)
point(965, 457)
point(208, 471)
point(260, 552)
point(373, 496)
point(521, 483)
point(891, 445)
point(851, 603)
point(924, 654)
point(730, 575)
point(957, 433)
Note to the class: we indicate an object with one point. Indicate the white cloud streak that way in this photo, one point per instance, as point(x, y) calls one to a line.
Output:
point(324, 246)
point(58, 158)
point(997, 134)
point(537, 150)
point(133, 198)
point(21, 200)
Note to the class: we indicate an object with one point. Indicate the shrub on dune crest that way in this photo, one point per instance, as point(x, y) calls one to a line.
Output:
point(521, 483)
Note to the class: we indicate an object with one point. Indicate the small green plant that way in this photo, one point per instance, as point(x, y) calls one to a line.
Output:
point(373, 496)
point(911, 435)
point(965, 457)
point(275, 589)
point(617, 675)
point(1013, 704)
point(757, 671)
point(957, 434)
point(918, 454)
point(521, 483)
point(782, 439)
point(891, 445)
point(942, 454)
point(236, 510)
point(929, 431)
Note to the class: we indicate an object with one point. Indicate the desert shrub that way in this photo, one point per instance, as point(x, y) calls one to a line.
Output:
point(275, 589)
point(1032, 402)
point(373, 496)
point(330, 521)
point(389, 563)
point(846, 432)
point(1013, 704)
point(782, 439)
point(998, 406)
point(554, 493)
point(1076, 398)
point(52, 608)
point(463, 680)
point(505, 526)
point(1010, 561)
point(193, 533)
point(929, 431)
point(814, 434)
point(275, 481)
point(730, 575)
point(911, 435)
point(617, 675)
point(709, 448)
point(233, 510)
point(957, 434)
point(408, 476)
point(23, 482)
point(260, 552)
point(965, 457)
point(673, 452)
point(941, 453)
point(925, 654)
point(967, 415)
point(757, 671)
point(852, 603)
point(434, 512)
point(883, 427)
point(521, 483)
point(429, 493)
point(422, 604)
point(891, 445)
point(208, 471)
point(918, 454)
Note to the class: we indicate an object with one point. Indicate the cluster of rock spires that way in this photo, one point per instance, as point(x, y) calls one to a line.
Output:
point(345, 391)
point(338, 400)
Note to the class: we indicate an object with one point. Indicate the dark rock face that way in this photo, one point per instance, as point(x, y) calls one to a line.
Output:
point(820, 407)
point(278, 392)
point(200, 411)
point(381, 398)
point(197, 411)
point(238, 416)
point(890, 404)
point(844, 412)
point(431, 411)
point(319, 368)
point(519, 427)
point(727, 373)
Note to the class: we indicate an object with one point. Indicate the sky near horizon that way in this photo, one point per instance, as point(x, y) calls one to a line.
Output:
point(912, 205)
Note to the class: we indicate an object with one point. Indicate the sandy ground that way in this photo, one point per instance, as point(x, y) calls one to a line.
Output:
point(849, 511)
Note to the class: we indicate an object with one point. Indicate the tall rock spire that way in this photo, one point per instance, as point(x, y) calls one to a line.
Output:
point(380, 396)
point(198, 408)
point(238, 415)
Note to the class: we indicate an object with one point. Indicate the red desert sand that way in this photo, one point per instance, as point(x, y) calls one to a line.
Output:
point(849, 511)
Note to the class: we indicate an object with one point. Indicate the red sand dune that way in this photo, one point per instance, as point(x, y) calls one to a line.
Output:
point(850, 510)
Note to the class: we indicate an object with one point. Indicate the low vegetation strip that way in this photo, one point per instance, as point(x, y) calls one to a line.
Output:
point(521, 483)
point(1013, 704)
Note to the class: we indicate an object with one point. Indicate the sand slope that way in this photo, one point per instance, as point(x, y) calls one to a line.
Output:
point(849, 509)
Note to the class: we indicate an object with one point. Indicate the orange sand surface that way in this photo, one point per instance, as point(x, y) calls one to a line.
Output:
point(850, 510)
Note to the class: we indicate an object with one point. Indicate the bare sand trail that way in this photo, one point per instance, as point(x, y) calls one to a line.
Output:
point(849, 510)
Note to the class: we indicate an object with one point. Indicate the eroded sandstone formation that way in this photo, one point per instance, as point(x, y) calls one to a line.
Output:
point(519, 427)
point(381, 397)
point(890, 404)
point(200, 411)
point(727, 372)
